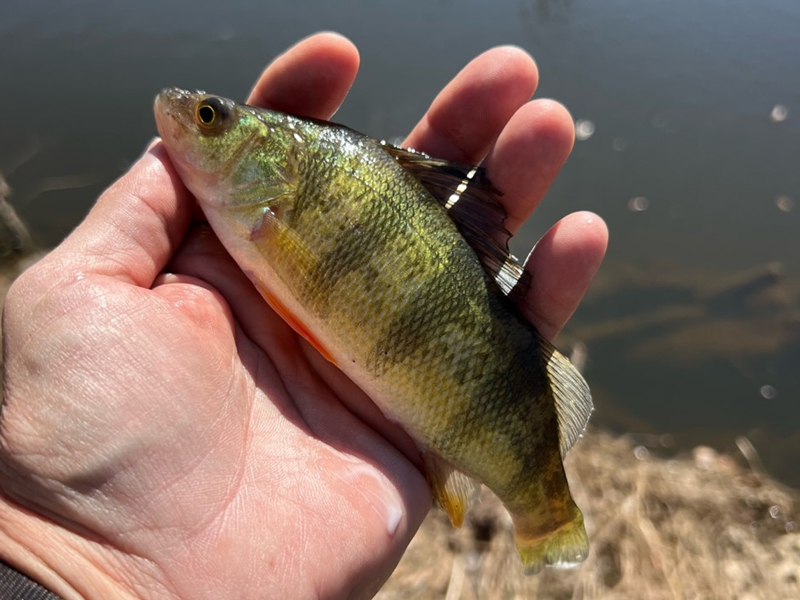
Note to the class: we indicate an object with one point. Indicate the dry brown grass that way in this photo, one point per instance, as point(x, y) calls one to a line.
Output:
point(701, 527)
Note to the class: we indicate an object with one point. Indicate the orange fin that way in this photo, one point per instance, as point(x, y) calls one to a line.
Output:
point(454, 492)
point(295, 324)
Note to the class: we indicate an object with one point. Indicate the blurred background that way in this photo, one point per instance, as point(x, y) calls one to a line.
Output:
point(688, 127)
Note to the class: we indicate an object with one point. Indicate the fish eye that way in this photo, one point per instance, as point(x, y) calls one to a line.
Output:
point(210, 113)
point(206, 114)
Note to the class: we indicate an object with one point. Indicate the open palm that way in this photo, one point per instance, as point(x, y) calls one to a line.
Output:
point(165, 434)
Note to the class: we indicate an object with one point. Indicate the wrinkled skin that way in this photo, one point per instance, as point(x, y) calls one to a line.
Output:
point(167, 432)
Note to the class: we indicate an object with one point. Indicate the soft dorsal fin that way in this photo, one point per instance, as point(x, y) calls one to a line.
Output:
point(572, 397)
point(471, 201)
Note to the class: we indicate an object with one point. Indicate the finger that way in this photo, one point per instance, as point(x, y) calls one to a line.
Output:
point(471, 111)
point(562, 265)
point(197, 300)
point(310, 79)
point(528, 155)
point(132, 230)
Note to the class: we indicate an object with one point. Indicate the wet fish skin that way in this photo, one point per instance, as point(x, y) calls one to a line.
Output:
point(355, 253)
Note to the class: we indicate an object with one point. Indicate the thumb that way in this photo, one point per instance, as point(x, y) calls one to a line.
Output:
point(133, 229)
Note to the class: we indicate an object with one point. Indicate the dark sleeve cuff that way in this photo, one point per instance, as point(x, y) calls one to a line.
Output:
point(17, 586)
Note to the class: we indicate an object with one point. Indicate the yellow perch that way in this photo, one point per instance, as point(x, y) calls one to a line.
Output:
point(394, 265)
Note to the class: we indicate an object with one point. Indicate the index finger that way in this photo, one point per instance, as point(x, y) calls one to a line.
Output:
point(310, 79)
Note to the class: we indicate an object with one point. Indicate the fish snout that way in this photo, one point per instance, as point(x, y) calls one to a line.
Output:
point(173, 110)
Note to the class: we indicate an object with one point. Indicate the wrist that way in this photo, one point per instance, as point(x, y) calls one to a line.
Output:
point(62, 561)
point(15, 584)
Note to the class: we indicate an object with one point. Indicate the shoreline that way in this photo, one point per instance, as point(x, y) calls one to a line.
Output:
point(698, 526)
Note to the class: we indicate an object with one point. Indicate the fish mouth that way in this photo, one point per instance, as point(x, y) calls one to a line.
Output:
point(173, 110)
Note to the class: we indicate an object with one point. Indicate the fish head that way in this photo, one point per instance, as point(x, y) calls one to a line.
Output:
point(216, 145)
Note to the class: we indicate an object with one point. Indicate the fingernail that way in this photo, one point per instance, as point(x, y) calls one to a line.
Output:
point(151, 144)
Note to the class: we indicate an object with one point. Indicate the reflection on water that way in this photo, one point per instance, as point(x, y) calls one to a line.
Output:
point(688, 126)
point(545, 11)
point(705, 356)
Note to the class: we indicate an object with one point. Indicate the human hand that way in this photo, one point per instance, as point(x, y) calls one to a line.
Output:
point(165, 434)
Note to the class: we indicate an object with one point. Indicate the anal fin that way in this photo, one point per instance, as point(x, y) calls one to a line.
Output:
point(453, 491)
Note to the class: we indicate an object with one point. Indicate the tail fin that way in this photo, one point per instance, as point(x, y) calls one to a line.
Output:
point(564, 548)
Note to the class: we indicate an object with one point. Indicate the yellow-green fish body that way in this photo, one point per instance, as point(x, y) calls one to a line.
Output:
point(342, 238)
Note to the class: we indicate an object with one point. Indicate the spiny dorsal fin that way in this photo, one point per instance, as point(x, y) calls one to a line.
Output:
point(471, 201)
point(572, 397)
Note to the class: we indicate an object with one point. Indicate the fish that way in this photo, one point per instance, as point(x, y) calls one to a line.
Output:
point(394, 265)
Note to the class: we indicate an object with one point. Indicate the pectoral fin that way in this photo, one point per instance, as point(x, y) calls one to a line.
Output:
point(453, 491)
point(279, 234)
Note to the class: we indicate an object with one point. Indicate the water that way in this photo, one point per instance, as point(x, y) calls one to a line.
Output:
point(695, 179)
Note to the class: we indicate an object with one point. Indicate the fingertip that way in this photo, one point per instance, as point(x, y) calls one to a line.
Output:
point(336, 42)
point(311, 78)
point(153, 180)
point(562, 266)
point(339, 51)
point(555, 124)
point(586, 234)
point(578, 242)
point(528, 155)
point(466, 117)
point(517, 61)
point(151, 144)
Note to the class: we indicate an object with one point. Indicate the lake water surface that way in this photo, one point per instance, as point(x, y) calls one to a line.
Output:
point(692, 333)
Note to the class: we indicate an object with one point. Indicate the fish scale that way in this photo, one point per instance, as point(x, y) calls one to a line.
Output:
point(350, 241)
